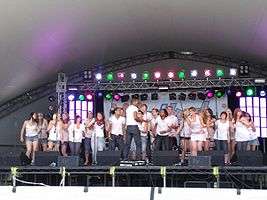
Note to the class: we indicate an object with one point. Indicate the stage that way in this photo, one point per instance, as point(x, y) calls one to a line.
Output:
point(140, 176)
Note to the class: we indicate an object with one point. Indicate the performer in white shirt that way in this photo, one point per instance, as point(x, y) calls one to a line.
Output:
point(54, 133)
point(116, 130)
point(89, 129)
point(162, 130)
point(76, 133)
point(242, 133)
point(132, 130)
point(173, 123)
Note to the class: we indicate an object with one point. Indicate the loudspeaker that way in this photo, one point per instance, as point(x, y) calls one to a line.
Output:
point(249, 158)
point(68, 161)
point(108, 158)
point(12, 158)
point(199, 161)
point(165, 158)
point(217, 157)
point(48, 158)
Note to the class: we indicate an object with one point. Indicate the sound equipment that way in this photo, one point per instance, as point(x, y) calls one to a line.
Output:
point(217, 157)
point(199, 161)
point(68, 161)
point(47, 158)
point(108, 158)
point(249, 158)
point(165, 158)
point(13, 158)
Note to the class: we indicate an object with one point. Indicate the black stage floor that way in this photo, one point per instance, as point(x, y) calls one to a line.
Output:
point(155, 176)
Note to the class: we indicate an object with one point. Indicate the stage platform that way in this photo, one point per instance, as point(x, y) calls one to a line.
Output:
point(143, 176)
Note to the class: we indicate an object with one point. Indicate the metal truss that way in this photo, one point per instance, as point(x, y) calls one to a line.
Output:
point(125, 63)
point(172, 85)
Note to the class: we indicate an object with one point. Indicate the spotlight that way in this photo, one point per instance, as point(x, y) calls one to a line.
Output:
point(250, 91)
point(172, 96)
point(157, 75)
point(125, 98)
point(154, 96)
point(181, 75)
point(233, 72)
point(116, 97)
point(89, 97)
point(201, 96)
point(260, 80)
point(87, 75)
point(133, 76)
point(210, 94)
point(120, 75)
point(219, 73)
point(99, 94)
point(98, 76)
point(135, 96)
point(182, 96)
point(244, 70)
point(51, 98)
point(144, 97)
point(81, 97)
point(170, 75)
point(219, 93)
point(238, 94)
point(71, 97)
point(108, 96)
point(146, 76)
point(193, 73)
point(207, 73)
point(110, 76)
point(192, 96)
point(262, 93)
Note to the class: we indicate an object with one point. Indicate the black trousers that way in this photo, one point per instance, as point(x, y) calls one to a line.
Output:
point(133, 131)
point(162, 143)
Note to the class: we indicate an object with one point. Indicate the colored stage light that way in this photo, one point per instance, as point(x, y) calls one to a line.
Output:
point(144, 97)
point(146, 76)
point(219, 93)
point(181, 75)
point(81, 97)
point(110, 76)
point(99, 94)
point(193, 73)
point(98, 76)
point(117, 97)
point(133, 76)
point(71, 97)
point(89, 97)
point(219, 73)
point(108, 96)
point(207, 73)
point(120, 75)
point(157, 75)
point(233, 72)
point(154, 96)
point(262, 93)
point(250, 91)
point(238, 94)
point(170, 75)
point(210, 94)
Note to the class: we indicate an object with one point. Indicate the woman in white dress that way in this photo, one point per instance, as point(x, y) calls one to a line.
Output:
point(54, 133)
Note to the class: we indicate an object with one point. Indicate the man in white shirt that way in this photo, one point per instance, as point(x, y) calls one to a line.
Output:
point(116, 130)
point(132, 130)
point(173, 123)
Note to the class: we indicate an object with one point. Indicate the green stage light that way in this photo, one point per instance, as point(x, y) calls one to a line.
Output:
point(110, 76)
point(181, 75)
point(250, 91)
point(219, 93)
point(146, 76)
point(219, 73)
point(81, 97)
point(108, 96)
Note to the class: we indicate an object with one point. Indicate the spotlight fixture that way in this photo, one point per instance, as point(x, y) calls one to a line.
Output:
point(181, 75)
point(143, 97)
point(219, 73)
point(172, 96)
point(187, 53)
point(98, 76)
point(262, 93)
point(125, 98)
point(250, 91)
point(260, 80)
point(244, 70)
point(51, 98)
point(207, 73)
point(99, 94)
point(120, 75)
point(117, 97)
point(110, 76)
point(170, 75)
point(108, 96)
point(219, 93)
point(146, 76)
point(81, 97)
point(89, 97)
point(157, 75)
point(154, 96)
point(71, 97)
point(233, 72)
point(192, 96)
point(193, 73)
point(135, 96)
point(87, 75)
point(133, 76)
point(182, 96)
point(210, 94)
point(238, 94)
point(201, 96)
